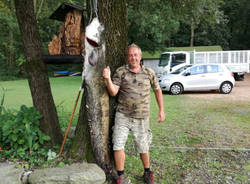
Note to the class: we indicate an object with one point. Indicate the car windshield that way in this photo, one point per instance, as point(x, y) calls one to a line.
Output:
point(164, 60)
point(178, 71)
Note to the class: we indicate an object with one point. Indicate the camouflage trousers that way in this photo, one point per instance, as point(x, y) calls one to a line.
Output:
point(139, 128)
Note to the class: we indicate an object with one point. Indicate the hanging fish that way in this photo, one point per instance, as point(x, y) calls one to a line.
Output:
point(95, 93)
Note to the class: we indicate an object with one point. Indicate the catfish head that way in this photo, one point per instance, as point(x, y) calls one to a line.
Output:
point(94, 33)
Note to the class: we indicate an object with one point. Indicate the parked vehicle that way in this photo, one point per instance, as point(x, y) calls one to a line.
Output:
point(199, 77)
point(237, 62)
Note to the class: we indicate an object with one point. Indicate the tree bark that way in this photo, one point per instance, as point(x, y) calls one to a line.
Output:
point(192, 34)
point(36, 70)
point(96, 106)
point(11, 54)
point(10, 59)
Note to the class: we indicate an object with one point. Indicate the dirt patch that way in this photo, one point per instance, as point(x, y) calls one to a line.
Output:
point(241, 91)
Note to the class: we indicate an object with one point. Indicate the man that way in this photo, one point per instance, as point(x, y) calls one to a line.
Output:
point(133, 82)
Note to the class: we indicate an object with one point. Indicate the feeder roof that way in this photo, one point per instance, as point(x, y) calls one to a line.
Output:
point(63, 9)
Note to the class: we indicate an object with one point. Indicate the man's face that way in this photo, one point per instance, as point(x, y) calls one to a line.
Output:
point(134, 57)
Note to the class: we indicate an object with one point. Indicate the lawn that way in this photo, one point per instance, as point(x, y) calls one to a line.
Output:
point(201, 140)
point(64, 90)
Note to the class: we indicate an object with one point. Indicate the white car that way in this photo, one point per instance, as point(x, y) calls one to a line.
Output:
point(200, 77)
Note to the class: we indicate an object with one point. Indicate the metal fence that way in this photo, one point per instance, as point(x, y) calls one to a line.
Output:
point(239, 58)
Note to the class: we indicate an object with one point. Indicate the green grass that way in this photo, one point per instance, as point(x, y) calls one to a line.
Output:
point(147, 55)
point(190, 122)
point(196, 123)
point(16, 93)
point(196, 48)
point(64, 91)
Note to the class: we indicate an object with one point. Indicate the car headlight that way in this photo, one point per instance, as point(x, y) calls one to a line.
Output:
point(166, 80)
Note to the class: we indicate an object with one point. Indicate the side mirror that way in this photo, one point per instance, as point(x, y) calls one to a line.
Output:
point(187, 74)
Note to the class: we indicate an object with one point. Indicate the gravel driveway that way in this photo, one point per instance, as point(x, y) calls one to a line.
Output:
point(241, 91)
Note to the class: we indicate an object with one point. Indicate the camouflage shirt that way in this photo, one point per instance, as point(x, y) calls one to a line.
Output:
point(134, 92)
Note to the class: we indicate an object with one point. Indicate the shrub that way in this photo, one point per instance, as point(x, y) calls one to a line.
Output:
point(20, 136)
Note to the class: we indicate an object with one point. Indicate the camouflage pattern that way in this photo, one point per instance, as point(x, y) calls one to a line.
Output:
point(134, 92)
point(140, 130)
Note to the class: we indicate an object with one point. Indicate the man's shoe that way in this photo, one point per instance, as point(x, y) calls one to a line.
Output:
point(123, 180)
point(148, 177)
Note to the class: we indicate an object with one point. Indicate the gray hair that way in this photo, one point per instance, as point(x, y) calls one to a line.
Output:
point(135, 46)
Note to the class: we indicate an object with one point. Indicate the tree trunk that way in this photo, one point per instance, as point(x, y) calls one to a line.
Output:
point(11, 54)
point(192, 34)
point(10, 59)
point(36, 70)
point(97, 109)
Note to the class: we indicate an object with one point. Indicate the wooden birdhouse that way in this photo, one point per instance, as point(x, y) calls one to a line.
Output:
point(70, 40)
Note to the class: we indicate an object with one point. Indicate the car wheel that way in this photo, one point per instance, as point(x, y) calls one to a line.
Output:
point(176, 89)
point(226, 87)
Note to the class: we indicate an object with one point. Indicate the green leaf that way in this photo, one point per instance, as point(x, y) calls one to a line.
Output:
point(29, 139)
point(21, 141)
point(46, 138)
point(21, 152)
point(14, 137)
point(35, 146)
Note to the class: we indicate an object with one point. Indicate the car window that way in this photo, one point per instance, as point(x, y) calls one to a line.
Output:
point(179, 70)
point(164, 59)
point(197, 70)
point(214, 69)
point(178, 59)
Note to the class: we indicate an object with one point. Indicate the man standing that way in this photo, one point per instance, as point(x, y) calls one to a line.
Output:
point(133, 82)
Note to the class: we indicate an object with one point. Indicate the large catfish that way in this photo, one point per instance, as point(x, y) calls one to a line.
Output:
point(97, 99)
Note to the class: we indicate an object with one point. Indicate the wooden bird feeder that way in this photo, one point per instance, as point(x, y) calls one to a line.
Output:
point(68, 45)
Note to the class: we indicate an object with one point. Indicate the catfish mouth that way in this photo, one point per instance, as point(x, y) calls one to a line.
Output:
point(92, 43)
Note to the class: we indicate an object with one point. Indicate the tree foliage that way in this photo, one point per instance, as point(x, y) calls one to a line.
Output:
point(10, 39)
point(151, 23)
point(197, 13)
point(11, 49)
point(238, 15)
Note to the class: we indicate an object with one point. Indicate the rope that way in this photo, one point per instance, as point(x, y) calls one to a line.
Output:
point(93, 8)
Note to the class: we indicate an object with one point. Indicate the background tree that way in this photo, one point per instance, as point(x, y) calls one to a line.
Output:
point(10, 39)
point(197, 12)
point(11, 48)
point(205, 35)
point(238, 15)
point(36, 70)
point(152, 23)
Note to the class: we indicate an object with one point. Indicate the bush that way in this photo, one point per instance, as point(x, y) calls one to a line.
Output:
point(20, 136)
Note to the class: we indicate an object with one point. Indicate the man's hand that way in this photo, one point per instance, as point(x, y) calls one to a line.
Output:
point(161, 116)
point(106, 73)
point(112, 88)
point(159, 99)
